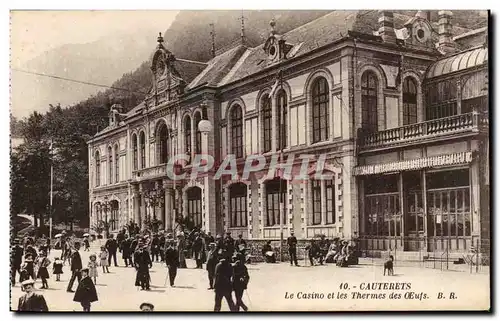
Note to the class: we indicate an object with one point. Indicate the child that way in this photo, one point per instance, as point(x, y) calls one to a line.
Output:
point(104, 260)
point(57, 268)
point(85, 293)
point(43, 273)
point(93, 267)
point(27, 270)
point(86, 243)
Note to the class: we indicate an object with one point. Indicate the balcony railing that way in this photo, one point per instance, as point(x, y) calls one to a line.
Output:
point(150, 172)
point(431, 128)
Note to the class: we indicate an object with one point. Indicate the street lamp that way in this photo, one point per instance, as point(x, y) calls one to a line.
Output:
point(155, 198)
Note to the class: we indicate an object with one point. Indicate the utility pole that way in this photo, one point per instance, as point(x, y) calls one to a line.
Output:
point(51, 186)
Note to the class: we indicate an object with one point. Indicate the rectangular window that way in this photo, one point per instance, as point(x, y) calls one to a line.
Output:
point(316, 201)
point(273, 202)
point(330, 201)
point(238, 205)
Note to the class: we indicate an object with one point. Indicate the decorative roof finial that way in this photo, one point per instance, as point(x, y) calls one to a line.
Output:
point(160, 40)
point(243, 38)
point(272, 23)
point(212, 33)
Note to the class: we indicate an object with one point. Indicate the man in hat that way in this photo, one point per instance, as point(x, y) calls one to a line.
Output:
point(126, 252)
point(163, 246)
point(76, 267)
point(198, 250)
point(16, 259)
point(219, 243)
point(172, 261)
point(212, 260)
point(229, 244)
point(112, 246)
point(240, 244)
point(86, 292)
point(223, 284)
point(155, 248)
point(208, 239)
point(147, 307)
point(143, 263)
point(292, 249)
point(31, 301)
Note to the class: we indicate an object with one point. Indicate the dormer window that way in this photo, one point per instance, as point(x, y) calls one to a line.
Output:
point(276, 47)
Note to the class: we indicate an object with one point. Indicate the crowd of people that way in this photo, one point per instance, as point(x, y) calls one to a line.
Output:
point(224, 258)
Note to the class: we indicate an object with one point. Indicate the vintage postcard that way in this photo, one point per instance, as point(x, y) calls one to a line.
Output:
point(322, 160)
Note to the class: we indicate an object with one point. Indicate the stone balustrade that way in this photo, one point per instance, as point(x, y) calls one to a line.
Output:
point(431, 128)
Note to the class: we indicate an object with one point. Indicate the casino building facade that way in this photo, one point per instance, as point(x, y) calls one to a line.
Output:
point(397, 104)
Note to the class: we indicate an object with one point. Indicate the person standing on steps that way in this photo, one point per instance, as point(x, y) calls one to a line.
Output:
point(76, 267)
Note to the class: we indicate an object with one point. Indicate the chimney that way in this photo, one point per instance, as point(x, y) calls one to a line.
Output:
point(445, 42)
point(386, 26)
point(424, 14)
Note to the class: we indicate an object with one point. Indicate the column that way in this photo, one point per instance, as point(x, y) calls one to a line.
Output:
point(209, 188)
point(168, 219)
point(424, 209)
point(137, 211)
point(401, 206)
point(142, 216)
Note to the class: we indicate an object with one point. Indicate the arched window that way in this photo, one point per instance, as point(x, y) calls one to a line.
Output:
point(474, 93)
point(369, 117)
point(194, 210)
point(135, 155)
point(197, 143)
point(267, 117)
point(97, 169)
point(113, 222)
point(162, 144)
point(237, 131)
point(282, 127)
point(320, 99)
point(409, 101)
point(117, 164)
point(187, 135)
point(110, 165)
point(273, 189)
point(238, 205)
point(142, 144)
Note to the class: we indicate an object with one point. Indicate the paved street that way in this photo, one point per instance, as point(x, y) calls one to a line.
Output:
point(269, 283)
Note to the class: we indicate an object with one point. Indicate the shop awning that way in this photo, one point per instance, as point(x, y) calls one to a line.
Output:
point(414, 164)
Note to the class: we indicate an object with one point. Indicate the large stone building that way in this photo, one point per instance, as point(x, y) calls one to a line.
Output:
point(398, 104)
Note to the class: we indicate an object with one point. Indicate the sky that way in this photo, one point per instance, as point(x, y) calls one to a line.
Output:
point(34, 32)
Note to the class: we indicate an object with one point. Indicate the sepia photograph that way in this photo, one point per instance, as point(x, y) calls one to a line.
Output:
point(249, 160)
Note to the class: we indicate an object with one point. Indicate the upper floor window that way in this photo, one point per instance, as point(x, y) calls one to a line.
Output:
point(110, 165)
point(163, 144)
point(142, 143)
point(135, 151)
point(320, 100)
point(369, 115)
point(187, 135)
point(409, 101)
point(441, 99)
point(266, 121)
point(197, 141)
point(97, 169)
point(117, 164)
point(237, 131)
point(281, 123)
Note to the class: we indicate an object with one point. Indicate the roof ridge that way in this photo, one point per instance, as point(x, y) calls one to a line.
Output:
point(192, 61)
